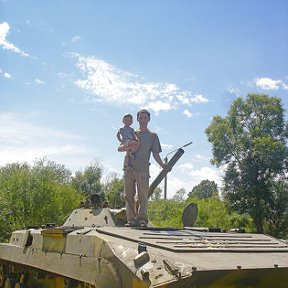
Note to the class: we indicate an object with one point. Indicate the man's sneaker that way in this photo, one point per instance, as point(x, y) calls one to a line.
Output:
point(142, 224)
point(130, 224)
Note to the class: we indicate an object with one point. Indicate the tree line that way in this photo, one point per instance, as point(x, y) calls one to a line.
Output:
point(249, 144)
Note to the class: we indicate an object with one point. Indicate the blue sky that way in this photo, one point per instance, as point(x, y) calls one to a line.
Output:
point(70, 69)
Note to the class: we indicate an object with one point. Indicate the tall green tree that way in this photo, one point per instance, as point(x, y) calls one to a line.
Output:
point(33, 195)
point(179, 195)
point(156, 195)
point(88, 182)
point(277, 219)
point(204, 189)
point(114, 192)
point(250, 144)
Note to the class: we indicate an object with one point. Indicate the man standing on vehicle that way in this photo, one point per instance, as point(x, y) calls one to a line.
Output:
point(136, 174)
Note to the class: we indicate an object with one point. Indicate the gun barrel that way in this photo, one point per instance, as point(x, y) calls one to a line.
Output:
point(165, 171)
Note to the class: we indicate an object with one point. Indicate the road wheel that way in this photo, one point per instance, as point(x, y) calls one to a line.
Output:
point(19, 285)
point(2, 276)
point(9, 283)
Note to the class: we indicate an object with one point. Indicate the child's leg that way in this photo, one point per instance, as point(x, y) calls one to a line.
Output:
point(124, 146)
point(131, 154)
point(134, 146)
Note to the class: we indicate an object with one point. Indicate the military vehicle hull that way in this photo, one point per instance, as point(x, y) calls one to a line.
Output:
point(92, 250)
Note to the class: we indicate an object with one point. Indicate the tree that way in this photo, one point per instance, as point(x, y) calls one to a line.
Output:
point(213, 212)
point(156, 195)
point(165, 213)
point(52, 193)
point(114, 192)
point(204, 189)
point(35, 195)
point(277, 220)
point(179, 195)
point(250, 143)
point(89, 181)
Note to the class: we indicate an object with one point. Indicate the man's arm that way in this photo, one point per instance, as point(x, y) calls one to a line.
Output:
point(158, 159)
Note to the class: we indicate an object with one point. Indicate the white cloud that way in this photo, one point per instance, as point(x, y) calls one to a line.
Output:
point(40, 82)
point(206, 173)
point(186, 166)
point(186, 176)
point(234, 91)
point(183, 98)
point(199, 99)
point(4, 31)
point(174, 184)
point(189, 178)
point(24, 141)
point(7, 75)
point(268, 83)
point(187, 113)
point(158, 106)
point(76, 39)
point(196, 175)
point(109, 84)
point(166, 146)
point(285, 86)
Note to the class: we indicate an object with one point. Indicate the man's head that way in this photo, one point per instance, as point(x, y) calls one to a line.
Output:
point(143, 118)
point(143, 111)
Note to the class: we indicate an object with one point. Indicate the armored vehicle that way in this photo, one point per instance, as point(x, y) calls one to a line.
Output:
point(93, 249)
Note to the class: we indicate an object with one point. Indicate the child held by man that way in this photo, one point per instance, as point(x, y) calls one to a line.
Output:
point(127, 137)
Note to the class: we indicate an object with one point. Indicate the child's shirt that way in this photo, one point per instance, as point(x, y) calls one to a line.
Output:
point(127, 133)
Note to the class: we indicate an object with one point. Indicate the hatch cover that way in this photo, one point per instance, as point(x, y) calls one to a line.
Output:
point(195, 241)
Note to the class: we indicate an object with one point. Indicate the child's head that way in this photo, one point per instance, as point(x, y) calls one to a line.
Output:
point(127, 119)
